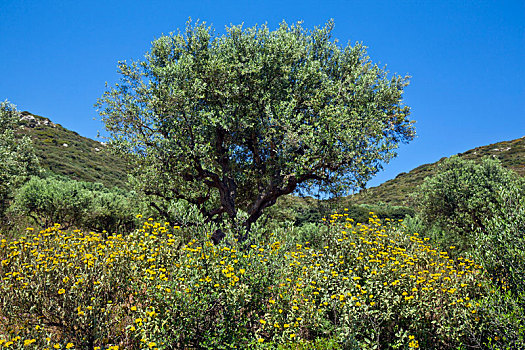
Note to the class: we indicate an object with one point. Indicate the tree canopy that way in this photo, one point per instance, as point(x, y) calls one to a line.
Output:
point(235, 121)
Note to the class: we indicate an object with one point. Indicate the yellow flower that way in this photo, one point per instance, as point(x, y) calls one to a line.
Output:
point(61, 291)
point(69, 345)
point(260, 340)
point(413, 344)
point(133, 308)
point(262, 321)
point(29, 341)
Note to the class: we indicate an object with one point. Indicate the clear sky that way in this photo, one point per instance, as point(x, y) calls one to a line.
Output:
point(466, 58)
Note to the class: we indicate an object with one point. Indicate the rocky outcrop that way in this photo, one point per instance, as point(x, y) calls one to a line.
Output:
point(31, 121)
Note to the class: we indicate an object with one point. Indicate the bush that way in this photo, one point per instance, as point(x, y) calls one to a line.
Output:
point(461, 195)
point(502, 241)
point(76, 204)
point(370, 286)
point(502, 253)
point(504, 326)
point(51, 201)
point(64, 288)
point(111, 210)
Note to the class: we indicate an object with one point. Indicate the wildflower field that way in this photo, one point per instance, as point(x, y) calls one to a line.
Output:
point(358, 286)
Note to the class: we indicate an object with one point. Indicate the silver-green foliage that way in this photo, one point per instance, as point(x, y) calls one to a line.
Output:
point(234, 121)
point(501, 250)
point(76, 203)
point(502, 243)
point(463, 194)
point(17, 159)
point(483, 205)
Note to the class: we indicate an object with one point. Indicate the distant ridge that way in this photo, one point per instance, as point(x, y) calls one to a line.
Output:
point(397, 191)
point(65, 152)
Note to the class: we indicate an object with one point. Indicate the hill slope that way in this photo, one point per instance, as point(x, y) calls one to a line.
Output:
point(65, 152)
point(397, 191)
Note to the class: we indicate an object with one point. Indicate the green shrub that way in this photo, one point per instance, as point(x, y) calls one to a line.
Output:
point(501, 242)
point(51, 201)
point(370, 286)
point(461, 195)
point(76, 204)
point(504, 325)
point(502, 253)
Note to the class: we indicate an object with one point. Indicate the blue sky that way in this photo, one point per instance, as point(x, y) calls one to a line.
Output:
point(466, 58)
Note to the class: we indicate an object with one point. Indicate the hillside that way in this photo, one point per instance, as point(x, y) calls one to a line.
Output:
point(397, 191)
point(65, 152)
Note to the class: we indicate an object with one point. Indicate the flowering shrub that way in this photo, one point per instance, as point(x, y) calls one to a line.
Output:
point(366, 286)
point(61, 288)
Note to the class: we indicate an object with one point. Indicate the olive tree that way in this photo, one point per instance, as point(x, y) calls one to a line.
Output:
point(233, 122)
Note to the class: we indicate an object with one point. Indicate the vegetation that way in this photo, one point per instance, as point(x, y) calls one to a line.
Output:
point(398, 191)
point(89, 272)
point(309, 210)
point(502, 241)
point(64, 152)
point(363, 286)
point(75, 204)
point(302, 283)
point(383, 199)
point(462, 195)
point(234, 122)
point(17, 159)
